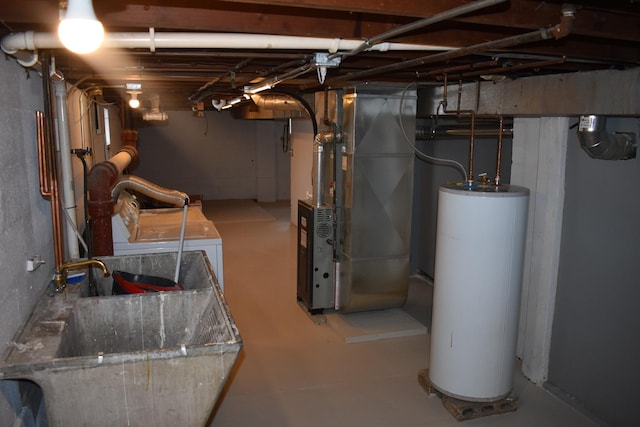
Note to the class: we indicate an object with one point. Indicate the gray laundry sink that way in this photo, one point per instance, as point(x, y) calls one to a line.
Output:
point(157, 359)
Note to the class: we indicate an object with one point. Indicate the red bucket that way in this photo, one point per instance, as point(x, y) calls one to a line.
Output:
point(128, 283)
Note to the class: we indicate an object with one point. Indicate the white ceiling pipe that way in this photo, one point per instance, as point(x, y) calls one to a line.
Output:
point(173, 40)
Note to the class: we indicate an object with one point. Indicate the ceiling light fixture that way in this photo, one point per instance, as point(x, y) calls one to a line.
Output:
point(134, 102)
point(79, 30)
point(134, 89)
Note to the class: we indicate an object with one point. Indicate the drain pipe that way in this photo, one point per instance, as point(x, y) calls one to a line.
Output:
point(68, 194)
point(152, 40)
point(101, 178)
point(599, 144)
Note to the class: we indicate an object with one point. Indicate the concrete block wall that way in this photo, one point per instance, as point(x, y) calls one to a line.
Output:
point(25, 218)
point(215, 156)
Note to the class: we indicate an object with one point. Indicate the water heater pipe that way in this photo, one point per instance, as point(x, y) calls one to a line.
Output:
point(497, 178)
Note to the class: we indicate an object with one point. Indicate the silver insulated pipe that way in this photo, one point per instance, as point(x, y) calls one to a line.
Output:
point(174, 197)
point(322, 154)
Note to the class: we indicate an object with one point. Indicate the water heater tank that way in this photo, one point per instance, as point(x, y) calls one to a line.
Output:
point(480, 247)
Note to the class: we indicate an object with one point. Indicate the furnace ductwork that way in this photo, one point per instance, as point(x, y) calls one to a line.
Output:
point(599, 144)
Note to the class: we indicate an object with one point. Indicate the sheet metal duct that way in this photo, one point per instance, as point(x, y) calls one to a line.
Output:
point(377, 164)
point(598, 144)
point(269, 107)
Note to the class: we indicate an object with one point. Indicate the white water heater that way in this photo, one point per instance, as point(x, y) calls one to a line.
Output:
point(480, 247)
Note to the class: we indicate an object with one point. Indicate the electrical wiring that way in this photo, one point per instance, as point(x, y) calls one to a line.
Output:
point(419, 153)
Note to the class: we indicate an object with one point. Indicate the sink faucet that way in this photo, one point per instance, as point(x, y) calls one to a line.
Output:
point(60, 276)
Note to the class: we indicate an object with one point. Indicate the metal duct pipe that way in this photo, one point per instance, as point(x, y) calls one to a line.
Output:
point(156, 192)
point(599, 144)
point(101, 179)
point(276, 102)
point(322, 151)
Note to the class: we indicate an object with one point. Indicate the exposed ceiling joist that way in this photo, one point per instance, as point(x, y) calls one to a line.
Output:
point(603, 35)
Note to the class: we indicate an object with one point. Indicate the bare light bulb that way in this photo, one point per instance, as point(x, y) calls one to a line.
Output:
point(80, 31)
point(134, 102)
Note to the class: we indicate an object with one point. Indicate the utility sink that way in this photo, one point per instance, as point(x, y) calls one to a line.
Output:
point(157, 359)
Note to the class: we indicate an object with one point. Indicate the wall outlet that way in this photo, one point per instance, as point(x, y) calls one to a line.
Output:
point(34, 262)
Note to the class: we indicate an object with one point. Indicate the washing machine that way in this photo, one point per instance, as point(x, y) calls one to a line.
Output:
point(146, 231)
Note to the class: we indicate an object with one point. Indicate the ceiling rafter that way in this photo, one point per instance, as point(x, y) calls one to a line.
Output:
point(603, 35)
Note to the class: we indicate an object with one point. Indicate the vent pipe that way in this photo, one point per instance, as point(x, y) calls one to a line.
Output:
point(100, 180)
point(599, 144)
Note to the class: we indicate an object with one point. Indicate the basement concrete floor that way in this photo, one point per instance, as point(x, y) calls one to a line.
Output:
point(295, 372)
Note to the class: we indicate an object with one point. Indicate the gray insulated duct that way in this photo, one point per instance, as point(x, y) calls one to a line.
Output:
point(599, 144)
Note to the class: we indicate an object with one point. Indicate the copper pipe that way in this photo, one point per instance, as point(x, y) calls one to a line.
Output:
point(499, 158)
point(460, 95)
point(471, 147)
point(472, 114)
point(43, 167)
point(50, 160)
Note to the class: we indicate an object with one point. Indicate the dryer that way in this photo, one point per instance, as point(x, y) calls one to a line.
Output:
point(145, 231)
